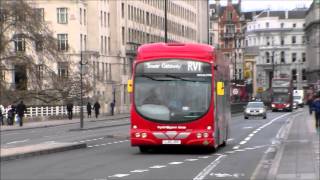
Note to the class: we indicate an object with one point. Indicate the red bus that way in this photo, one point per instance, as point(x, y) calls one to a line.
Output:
point(178, 96)
point(281, 94)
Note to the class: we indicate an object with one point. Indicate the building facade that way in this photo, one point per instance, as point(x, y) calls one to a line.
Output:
point(312, 30)
point(277, 40)
point(106, 34)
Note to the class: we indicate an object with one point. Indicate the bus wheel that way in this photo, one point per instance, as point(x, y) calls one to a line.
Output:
point(143, 149)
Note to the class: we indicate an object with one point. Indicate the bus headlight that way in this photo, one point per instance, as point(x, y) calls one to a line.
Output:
point(144, 135)
point(205, 135)
point(287, 105)
point(273, 105)
point(209, 127)
point(137, 135)
point(134, 126)
point(199, 135)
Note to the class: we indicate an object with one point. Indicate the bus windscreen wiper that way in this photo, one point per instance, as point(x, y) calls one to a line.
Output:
point(180, 78)
point(150, 77)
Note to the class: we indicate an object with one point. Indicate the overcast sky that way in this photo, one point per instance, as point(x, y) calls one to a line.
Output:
point(249, 5)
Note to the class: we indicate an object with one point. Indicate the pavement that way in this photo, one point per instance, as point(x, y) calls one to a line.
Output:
point(298, 154)
point(11, 153)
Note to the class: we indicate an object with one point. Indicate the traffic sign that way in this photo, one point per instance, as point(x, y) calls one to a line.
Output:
point(260, 89)
point(235, 91)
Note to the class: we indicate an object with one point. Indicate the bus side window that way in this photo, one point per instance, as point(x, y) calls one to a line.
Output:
point(220, 88)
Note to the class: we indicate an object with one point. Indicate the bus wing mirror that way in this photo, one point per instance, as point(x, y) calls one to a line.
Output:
point(220, 88)
point(130, 86)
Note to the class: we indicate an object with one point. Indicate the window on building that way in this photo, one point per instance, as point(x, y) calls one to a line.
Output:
point(39, 14)
point(294, 57)
point(267, 57)
point(293, 39)
point(19, 43)
point(108, 19)
point(303, 39)
point(282, 58)
point(122, 10)
point(123, 35)
point(229, 16)
point(62, 15)
point(105, 19)
point(39, 43)
point(84, 16)
point(80, 15)
point(294, 25)
point(109, 44)
point(294, 74)
point(282, 25)
point(63, 42)
point(267, 24)
point(101, 45)
point(303, 57)
point(282, 40)
point(105, 44)
point(268, 41)
point(85, 42)
point(63, 69)
point(304, 75)
point(39, 71)
point(230, 28)
point(101, 18)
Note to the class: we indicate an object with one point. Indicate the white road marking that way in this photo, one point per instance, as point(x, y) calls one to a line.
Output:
point(139, 170)
point(221, 175)
point(157, 167)
point(120, 175)
point(191, 160)
point(15, 142)
point(230, 139)
point(247, 138)
point(209, 168)
point(174, 163)
point(240, 150)
point(204, 157)
point(235, 147)
point(243, 142)
point(250, 135)
point(247, 127)
point(230, 152)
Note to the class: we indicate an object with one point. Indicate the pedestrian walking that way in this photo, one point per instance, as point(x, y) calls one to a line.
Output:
point(316, 108)
point(89, 108)
point(20, 110)
point(70, 110)
point(112, 104)
point(10, 115)
point(2, 112)
point(96, 107)
point(309, 102)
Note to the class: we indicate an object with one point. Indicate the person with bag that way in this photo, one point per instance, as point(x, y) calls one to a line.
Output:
point(69, 110)
point(11, 115)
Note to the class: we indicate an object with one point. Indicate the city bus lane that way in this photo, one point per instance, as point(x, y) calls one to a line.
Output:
point(202, 167)
point(112, 160)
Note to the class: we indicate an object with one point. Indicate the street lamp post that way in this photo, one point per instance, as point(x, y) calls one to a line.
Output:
point(81, 88)
point(165, 22)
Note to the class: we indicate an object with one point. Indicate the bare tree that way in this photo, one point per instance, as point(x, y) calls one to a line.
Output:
point(27, 42)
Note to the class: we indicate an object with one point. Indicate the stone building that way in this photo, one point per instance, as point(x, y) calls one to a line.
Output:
point(108, 32)
point(278, 41)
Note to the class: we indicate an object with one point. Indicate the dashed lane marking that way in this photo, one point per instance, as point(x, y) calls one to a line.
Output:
point(21, 141)
point(174, 163)
point(191, 160)
point(139, 170)
point(236, 147)
point(119, 175)
point(157, 166)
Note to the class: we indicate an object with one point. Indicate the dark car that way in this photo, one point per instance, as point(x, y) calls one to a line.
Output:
point(255, 109)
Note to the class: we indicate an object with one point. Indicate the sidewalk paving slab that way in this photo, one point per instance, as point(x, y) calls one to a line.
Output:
point(298, 155)
point(38, 149)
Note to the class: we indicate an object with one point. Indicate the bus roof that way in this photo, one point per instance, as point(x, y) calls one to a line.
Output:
point(175, 50)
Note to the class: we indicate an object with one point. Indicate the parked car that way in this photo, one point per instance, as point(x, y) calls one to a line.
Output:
point(254, 109)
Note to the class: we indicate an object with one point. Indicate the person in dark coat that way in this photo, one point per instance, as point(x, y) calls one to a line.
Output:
point(112, 104)
point(11, 114)
point(89, 109)
point(316, 108)
point(21, 109)
point(96, 107)
point(69, 110)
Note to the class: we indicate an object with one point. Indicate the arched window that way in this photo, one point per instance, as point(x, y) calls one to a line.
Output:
point(267, 57)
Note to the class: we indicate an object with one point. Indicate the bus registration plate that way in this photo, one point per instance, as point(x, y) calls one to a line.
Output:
point(171, 141)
